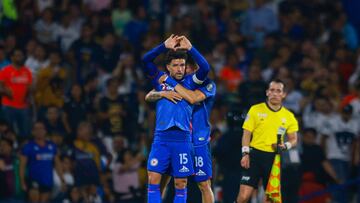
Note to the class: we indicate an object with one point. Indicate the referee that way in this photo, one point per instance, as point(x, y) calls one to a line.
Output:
point(263, 123)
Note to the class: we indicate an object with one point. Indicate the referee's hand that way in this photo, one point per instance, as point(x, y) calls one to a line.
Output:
point(245, 161)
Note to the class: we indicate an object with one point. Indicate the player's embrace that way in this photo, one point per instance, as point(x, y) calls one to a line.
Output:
point(171, 148)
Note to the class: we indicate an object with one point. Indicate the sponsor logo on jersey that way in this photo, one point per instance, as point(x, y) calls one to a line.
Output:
point(184, 169)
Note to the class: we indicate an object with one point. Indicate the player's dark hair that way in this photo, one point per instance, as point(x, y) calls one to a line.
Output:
point(178, 54)
point(278, 81)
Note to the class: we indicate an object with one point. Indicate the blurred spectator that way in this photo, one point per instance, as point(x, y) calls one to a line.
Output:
point(121, 16)
point(42, 5)
point(84, 53)
point(10, 190)
point(16, 79)
point(45, 28)
point(339, 145)
point(125, 176)
point(39, 157)
point(112, 112)
point(109, 53)
point(318, 115)
point(76, 19)
point(60, 189)
point(258, 22)
point(127, 73)
point(50, 83)
point(87, 158)
point(76, 109)
point(97, 5)
point(74, 195)
point(53, 123)
point(10, 13)
point(3, 59)
point(229, 145)
point(135, 29)
point(230, 74)
point(38, 61)
point(316, 169)
point(294, 97)
point(66, 33)
point(252, 90)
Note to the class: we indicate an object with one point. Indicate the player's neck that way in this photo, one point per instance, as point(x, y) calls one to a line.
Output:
point(273, 107)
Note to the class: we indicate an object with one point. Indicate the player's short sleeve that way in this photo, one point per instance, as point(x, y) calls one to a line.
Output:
point(26, 150)
point(209, 90)
point(293, 125)
point(250, 120)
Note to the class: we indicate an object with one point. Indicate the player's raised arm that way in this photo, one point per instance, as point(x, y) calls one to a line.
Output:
point(204, 67)
point(147, 60)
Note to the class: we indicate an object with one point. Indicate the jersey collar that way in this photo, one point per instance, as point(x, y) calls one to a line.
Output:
point(271, 109)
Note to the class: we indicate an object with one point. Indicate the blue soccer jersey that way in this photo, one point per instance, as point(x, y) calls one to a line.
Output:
point(172, 147)
point(201, 132)
point(201, 114)
point(40, 162)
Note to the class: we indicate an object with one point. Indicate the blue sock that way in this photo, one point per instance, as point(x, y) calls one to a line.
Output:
point(180, 195)
point(154, 195)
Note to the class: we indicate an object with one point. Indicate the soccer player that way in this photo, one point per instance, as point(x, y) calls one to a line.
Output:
point(172, 139)
point(203, 98)
point(263, 123)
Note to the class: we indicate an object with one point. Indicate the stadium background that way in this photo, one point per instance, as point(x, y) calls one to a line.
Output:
point(78, 45)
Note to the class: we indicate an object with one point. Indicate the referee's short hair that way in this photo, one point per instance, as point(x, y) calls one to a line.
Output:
point(277, 80)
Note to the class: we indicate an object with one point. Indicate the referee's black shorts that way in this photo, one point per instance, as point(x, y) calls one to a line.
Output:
point(260, 168)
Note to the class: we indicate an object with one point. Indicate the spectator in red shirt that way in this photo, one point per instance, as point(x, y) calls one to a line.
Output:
point(15, 82)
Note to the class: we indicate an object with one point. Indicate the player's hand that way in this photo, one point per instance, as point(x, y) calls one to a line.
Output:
point(171, 42)
point(162, 78)
point(184, 43)
point(172, 96)
point(245, 161)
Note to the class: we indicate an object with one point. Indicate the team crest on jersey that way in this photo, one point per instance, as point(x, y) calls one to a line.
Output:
point(209, 87)
point(154, 162)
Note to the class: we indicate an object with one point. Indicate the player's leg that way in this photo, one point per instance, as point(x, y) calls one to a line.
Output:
point(203, 172)
point(158, 162)
point(182, 167)
point(180, 190)
point(207, 194)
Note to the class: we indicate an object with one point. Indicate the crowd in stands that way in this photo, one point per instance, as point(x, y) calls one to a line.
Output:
point(71, 81)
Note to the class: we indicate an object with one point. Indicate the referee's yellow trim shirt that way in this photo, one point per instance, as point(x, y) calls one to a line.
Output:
point(265, 123)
